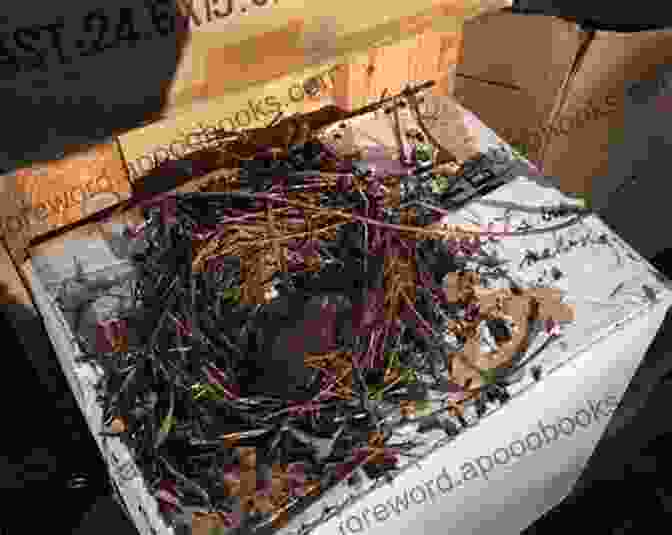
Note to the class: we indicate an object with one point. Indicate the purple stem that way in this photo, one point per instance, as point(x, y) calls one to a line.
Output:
point(266, 197)
point(422, 320)
point(182, 328)
point(135, 231)
point(388, 244)
point(329, 150)
point(296, 221)
point(371, 350)
point(277, 188)
point(325, 391)
point(236, 212)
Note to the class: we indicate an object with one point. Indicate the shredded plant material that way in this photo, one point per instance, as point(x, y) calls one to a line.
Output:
point(288, 320)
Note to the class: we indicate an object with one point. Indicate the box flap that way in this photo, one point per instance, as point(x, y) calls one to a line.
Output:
point(615, 60)
point(528, 53)
point(495, 105)
point(592, 112)
point(431, 55)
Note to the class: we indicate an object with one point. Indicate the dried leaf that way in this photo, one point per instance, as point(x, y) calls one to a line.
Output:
point(460, 286)
point(550, 305)
point(208, 524)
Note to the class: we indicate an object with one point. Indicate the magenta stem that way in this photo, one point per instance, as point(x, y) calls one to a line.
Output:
point(371, 351)
point(421, 319)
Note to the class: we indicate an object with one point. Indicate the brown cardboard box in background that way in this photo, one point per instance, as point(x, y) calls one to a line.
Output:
point(432, 55)
point(593, 105)
point(553, 89)
point(513, 68)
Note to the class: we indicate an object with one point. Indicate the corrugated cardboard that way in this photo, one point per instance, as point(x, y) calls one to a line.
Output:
point(611, 63)
point(270, 40)
point(513, 68)
point(432, 55)
point(553, 88)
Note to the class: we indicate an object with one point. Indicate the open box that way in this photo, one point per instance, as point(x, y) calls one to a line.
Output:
point(505, 468)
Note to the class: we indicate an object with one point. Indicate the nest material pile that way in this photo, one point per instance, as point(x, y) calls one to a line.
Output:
point(302, 308)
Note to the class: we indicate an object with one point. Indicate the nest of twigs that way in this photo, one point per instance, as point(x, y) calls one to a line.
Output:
point(303, 307)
